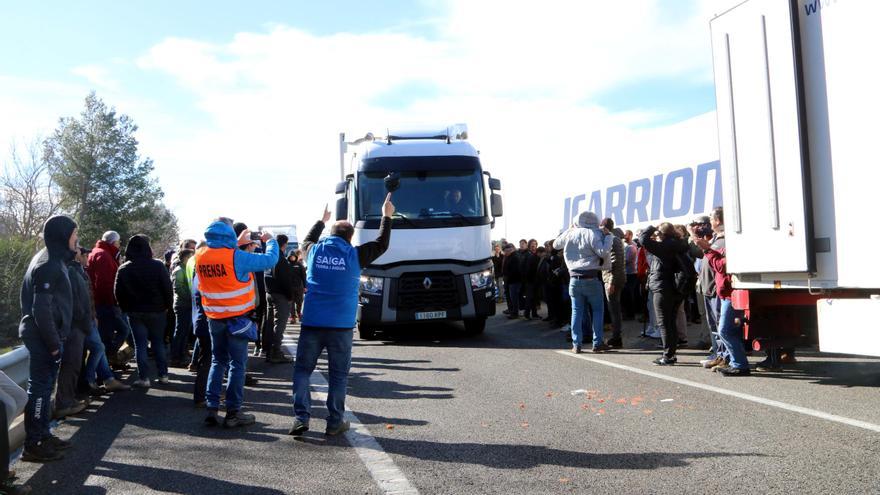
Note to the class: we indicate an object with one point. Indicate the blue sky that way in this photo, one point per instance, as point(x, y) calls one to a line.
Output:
point(217, 84)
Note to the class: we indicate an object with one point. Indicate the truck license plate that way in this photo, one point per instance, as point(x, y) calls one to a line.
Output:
point(431, 315)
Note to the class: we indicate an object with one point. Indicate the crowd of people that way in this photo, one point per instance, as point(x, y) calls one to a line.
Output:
point(594, 276)
point(83, 311)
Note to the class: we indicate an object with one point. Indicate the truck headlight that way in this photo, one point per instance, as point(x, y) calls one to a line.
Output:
point(372, 285)
point(481, 280)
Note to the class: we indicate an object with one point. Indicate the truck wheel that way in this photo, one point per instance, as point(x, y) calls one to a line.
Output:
point(474, 326)
point(366, 333)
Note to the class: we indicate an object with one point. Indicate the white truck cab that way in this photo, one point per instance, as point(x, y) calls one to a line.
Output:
point(438, 264)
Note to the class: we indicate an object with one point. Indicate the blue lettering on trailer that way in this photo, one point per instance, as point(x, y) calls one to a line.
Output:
point(679, 193)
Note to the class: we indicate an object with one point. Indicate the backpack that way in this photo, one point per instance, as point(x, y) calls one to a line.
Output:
point(685, 278)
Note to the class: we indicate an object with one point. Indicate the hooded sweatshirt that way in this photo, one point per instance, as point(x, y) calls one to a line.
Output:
point(103, 264)
point(142, 283)
point(585, 247)
point(46, 296)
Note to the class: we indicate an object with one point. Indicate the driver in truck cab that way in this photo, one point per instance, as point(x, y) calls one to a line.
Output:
point(330, 313)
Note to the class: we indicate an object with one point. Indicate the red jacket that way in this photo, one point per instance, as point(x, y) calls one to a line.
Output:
point(718, 263)
point(103, 264)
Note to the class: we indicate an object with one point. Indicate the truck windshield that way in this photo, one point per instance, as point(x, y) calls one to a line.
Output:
point(424, 194)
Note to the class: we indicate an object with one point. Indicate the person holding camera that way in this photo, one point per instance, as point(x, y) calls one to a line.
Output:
point(586, 249)
point(333, 268)
point(229, 299)
point(662, 283)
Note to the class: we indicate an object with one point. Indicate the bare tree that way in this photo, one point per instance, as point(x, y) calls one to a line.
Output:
point(28, 196)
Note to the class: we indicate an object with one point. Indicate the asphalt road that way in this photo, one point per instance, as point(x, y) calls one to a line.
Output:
point(504, 412)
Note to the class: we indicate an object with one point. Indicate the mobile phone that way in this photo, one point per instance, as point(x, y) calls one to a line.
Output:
point(256, 236)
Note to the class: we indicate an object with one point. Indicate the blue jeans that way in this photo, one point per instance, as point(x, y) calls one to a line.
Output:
point(731, 336)
point(41, 382)
point(311, 343)
point(113, 327)
point(713, 313)
point(587, 301)
point(227, 351)
point(182, 331)
point(97, 367)
point(149, 326)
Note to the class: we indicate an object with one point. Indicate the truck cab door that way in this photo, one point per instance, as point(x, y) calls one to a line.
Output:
point(762, 138)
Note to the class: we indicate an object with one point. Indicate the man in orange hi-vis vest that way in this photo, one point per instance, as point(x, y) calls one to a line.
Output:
point(229, 298)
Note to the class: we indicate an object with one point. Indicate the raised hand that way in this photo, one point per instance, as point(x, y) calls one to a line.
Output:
point(326, 217)
point(388, 207)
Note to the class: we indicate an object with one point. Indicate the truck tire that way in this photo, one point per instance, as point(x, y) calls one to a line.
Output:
point(474, 326)
point(366, 333)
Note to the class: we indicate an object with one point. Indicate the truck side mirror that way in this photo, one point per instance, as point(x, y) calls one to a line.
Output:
point(494, 184)
point(342, 208)
point(497, 206)
point(392, 182)
point(340, 187)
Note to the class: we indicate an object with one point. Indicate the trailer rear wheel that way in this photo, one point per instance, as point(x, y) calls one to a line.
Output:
point(474, 326)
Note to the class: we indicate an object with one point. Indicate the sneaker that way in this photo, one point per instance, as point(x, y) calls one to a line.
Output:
point(603, 347)
point(193, 368)
point(145, 383)
point(163, 379)
point(731, 371)
point(76, 408)
point(57, 443)
point(718, 367)
point(615, 342)
point(234, 419)
point(298, 428)
point(662, 361)
point(711, 363)
point(115, 386)
point(97, 391)
point(787, 358)
point(767, 365)
point(576, 349)
point(41, 452)
point(211, 419)
point(336, 430)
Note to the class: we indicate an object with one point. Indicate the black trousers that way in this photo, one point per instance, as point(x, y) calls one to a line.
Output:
point(203, 368)
point(666, 304)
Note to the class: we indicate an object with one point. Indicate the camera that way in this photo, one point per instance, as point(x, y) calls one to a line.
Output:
point(702, 230)
point(256, 236)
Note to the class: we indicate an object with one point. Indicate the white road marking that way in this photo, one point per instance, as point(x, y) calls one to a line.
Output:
point(385, 473)
point(739, 395)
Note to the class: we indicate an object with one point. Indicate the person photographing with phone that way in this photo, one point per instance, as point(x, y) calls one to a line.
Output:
point(330, 313)
point(229, 300)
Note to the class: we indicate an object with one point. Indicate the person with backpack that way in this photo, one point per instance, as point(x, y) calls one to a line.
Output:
point(669, 281)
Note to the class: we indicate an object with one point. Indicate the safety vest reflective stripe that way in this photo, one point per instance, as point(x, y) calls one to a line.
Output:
point(223, 294)
point(228, 309)
point(227, 295)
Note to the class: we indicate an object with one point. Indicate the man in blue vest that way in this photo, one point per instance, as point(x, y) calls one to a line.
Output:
point(330, 311)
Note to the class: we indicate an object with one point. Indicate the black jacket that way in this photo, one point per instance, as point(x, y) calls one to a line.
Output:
point(664, 265)
point(142, 283)
point(279, 280)
point(46, 296)
point(368, 252)
point(512, 270)
point(299, 275)
point(83, 309)
point(529, 267)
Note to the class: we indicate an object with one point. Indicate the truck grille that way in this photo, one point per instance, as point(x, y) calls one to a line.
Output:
point(441, 294)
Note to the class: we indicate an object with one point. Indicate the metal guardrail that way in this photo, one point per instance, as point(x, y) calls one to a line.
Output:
point(16, 365)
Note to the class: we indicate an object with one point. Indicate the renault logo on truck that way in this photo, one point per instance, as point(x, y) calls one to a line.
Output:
point(427, 283)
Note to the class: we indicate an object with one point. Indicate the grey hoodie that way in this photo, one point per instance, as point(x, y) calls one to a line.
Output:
point(584, 245)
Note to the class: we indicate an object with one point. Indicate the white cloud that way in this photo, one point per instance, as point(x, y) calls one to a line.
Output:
point(521, 75)
point(97, 75)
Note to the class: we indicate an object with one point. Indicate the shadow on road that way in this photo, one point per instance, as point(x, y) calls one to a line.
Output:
point(505, 456)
